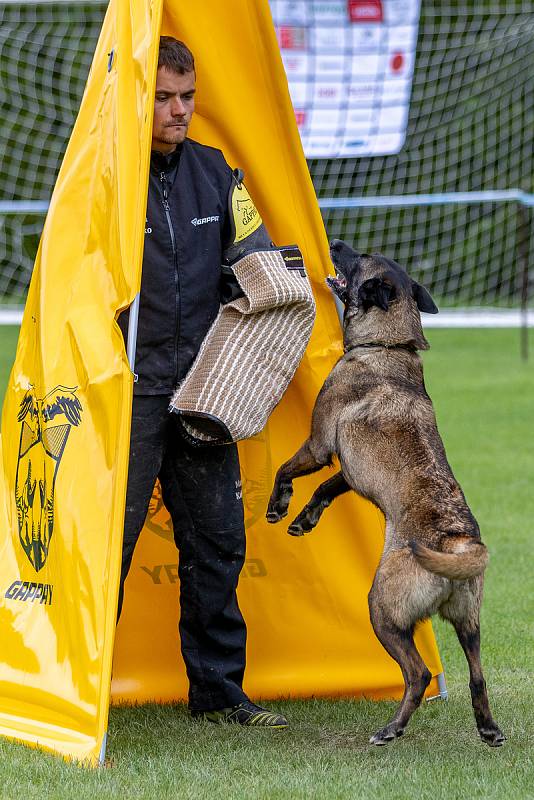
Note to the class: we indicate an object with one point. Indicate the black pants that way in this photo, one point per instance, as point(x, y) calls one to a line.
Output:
point(201, 489)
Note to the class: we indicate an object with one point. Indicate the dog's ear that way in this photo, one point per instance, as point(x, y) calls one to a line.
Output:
point(376, 292)
point(423, 299)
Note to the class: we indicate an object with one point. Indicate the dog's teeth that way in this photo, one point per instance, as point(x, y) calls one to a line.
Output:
point(341, 283)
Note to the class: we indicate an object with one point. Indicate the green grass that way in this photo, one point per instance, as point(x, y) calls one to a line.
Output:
point(8, 345)
point(484, 399)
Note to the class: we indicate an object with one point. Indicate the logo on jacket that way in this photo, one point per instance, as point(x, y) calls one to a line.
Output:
point(204, 220)
point(45, 427)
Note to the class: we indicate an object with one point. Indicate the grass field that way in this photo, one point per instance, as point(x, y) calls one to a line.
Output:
point(484, 399)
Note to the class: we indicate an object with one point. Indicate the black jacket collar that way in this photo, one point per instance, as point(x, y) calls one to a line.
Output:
point(166, 163)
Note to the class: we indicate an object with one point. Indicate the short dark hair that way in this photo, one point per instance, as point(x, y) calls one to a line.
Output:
point(175, 56)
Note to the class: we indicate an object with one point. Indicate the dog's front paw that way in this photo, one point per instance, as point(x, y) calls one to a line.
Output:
point(301, 524)
point(492, 735)
point(274, 515)
point(295, 530)
point(386, 735)
point(279, 501)
point(277, 509)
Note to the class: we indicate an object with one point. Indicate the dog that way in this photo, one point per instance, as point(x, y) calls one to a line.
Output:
point(374, 415)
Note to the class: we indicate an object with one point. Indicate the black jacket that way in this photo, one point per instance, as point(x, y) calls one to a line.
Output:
point(186, 229)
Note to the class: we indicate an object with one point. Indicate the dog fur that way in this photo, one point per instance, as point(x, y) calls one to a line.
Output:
point(374, 414)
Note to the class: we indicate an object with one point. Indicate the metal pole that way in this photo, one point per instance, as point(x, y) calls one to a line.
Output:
point(443, 691)
point(523, 236)
point(102, 754)
point(442, 686)
point(132, 333)
point(130, 350)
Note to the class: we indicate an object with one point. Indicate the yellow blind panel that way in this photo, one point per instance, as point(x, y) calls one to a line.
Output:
point(305, 600)
point(65, 423)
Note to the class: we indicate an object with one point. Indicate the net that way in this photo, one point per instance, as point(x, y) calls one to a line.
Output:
point(471, 111)
point(45, 54)
point(469, 130)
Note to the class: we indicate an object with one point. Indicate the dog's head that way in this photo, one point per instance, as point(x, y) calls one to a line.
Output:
point(382, 303)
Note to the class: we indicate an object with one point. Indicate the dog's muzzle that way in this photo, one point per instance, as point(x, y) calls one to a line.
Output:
point(339, 283)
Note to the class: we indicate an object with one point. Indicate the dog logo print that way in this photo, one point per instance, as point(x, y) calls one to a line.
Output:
point(158, 519)
point(245, 216)
point(248, 210)
point(45, 427)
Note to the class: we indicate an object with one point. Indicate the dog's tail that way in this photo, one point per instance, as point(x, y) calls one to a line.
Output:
point(469, 560)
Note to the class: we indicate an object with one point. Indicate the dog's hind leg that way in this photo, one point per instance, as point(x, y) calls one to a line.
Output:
point(321, 499)
point(401, 647)
point(467, 629)
point(488, 729)
point(303, 462)
point(396, 637)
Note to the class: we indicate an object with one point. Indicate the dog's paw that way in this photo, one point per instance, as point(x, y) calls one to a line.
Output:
point(279, 501)
point(492, 735)
point(301, 525)
point(295, 530)
point(386, 735)
point(306, 520)
point(273, 516)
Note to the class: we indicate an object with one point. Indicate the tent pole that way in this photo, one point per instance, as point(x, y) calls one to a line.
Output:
point(443, 692)
point(102, 755)
point(130, 349)
point(132, 333)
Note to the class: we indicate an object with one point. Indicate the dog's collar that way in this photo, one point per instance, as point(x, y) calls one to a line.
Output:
point(401, 346)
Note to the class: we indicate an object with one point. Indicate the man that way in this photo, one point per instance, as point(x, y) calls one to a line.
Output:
point(186, 230)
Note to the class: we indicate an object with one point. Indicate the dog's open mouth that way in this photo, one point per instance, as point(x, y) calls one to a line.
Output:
point(337, 284)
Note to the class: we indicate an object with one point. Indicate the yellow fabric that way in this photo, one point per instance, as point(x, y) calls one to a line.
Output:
point(304, 600)
point(55, 669)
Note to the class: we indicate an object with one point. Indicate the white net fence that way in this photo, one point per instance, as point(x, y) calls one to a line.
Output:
point(469, 130)
point(45, 54)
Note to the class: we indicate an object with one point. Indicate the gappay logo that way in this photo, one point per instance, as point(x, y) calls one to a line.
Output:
point(30, 591)
point(45, 427)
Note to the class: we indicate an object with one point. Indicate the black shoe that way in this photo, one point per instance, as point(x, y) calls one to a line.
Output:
point(245, 713)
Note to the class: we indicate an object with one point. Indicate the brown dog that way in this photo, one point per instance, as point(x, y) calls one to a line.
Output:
point(374, 414)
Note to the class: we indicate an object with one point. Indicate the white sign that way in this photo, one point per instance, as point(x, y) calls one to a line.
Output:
point(349, 65)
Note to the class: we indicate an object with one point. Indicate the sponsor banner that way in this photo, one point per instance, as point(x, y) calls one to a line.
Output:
point(341, 57)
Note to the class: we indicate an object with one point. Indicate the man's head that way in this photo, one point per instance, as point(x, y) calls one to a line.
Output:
point(174, 102)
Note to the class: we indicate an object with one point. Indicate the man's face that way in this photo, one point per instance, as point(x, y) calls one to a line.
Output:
point(173, 108)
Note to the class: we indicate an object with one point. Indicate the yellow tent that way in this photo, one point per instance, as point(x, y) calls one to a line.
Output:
point(65, 423)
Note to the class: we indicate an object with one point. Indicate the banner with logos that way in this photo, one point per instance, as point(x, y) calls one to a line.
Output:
point(349, 65)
